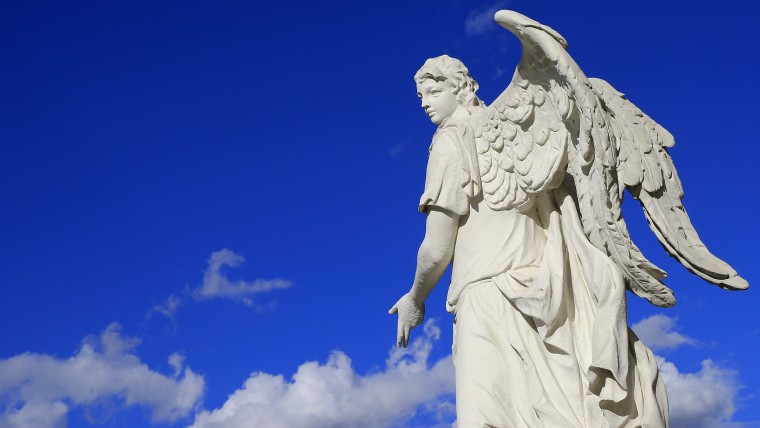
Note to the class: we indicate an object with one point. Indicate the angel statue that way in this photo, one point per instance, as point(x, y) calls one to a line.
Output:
point(524, 198)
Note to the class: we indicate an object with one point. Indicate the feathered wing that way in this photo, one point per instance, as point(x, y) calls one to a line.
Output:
point(647, 171)
point(550, 126)
point(522, 144)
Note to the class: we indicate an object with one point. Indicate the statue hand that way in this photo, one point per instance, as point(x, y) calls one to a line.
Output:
point(410, 315)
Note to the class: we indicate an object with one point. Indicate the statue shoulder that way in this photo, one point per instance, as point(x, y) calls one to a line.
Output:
point(458, 130)
point(449, 139)
point(455, 140)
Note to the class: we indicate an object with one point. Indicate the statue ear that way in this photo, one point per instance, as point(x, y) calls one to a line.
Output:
point(463, 95)
point(466, 91)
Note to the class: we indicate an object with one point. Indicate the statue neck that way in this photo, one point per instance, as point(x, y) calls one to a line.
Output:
point(459, 115)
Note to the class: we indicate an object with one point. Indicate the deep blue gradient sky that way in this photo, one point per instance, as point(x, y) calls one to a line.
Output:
point(139, 137)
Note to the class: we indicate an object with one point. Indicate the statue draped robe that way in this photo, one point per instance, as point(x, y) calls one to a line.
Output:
point(540, 330)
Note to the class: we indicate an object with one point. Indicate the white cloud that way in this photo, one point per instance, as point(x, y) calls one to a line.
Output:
point(37, 391)
point(657, 333)
point(217, 285)
point(480, 20)
point(334, 395)
point(704, 399)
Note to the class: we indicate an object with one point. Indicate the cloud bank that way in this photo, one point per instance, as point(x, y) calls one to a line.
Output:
point(334, 395)
point(37, 391)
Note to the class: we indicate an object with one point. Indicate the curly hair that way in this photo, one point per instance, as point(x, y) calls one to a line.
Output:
point(447, 69)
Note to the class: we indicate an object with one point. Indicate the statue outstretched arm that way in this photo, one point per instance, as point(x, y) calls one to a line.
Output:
point(433, 258)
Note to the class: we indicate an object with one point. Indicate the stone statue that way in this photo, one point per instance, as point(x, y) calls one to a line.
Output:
point(524, 198)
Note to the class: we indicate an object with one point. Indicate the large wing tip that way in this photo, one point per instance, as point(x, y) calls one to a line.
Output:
point(734, 283)
point(511, 19)
point(517, 22)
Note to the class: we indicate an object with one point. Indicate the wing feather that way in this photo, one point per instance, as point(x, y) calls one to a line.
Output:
point(659, 190)
point(521, 134)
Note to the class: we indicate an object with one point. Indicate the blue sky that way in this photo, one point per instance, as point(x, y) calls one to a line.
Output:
point(198, 197)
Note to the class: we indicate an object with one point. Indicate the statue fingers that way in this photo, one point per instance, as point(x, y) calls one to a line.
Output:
point(400, 335)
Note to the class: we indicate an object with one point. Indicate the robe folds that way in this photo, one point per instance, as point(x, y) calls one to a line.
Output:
point(540, 332)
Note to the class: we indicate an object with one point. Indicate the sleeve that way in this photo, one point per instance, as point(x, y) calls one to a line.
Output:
point(445, 178)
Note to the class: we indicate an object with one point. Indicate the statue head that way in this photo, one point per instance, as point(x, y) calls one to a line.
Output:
point(444, 85)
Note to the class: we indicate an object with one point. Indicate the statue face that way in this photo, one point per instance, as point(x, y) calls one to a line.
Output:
point(438, 99)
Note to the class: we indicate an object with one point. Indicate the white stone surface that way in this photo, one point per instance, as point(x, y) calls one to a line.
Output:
point(523, 198)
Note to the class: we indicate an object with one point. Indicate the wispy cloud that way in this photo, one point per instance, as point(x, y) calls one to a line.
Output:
point(37, 390)
point(169, 307)
point(217, 285)
point(657, 333)
point(334, 395)
point(498, 73)
point(396, 150)
point(480, 21)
